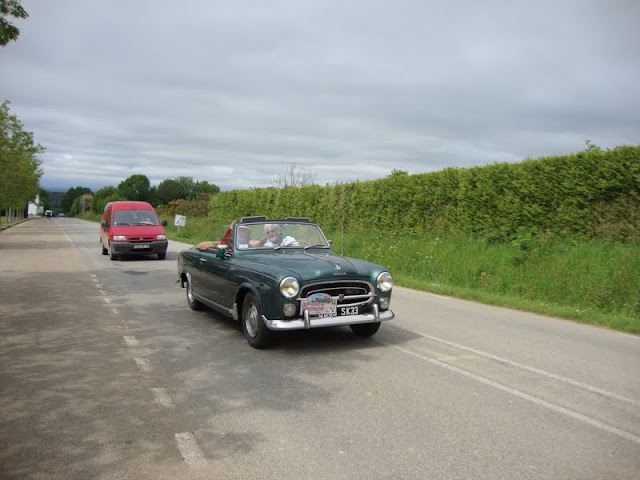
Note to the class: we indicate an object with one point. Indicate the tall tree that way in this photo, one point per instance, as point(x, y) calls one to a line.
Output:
point(104, 196)
point(19, 164)
point(167, 191)
point(191, 189)
point(136, 187)
point(70, 196)
point(203, 186)
point(8, 31)
point(44, 199)
point(188, 187)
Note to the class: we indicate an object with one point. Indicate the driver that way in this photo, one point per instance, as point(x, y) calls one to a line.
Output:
point(275, 238)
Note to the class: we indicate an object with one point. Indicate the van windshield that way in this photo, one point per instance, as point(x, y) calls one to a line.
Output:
point(135, 217)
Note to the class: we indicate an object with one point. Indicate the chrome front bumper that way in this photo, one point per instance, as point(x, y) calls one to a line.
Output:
point(307, 321)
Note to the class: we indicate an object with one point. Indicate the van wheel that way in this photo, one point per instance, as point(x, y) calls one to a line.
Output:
point(112, 255)
point(162, 256)
point(104, 250)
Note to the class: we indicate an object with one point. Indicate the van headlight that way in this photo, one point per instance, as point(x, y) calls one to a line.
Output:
point(161, 237)
point(289, 287)
point(384, 281)
point(119, 238)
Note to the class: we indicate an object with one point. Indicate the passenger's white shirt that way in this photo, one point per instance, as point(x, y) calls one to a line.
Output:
point(285, 241)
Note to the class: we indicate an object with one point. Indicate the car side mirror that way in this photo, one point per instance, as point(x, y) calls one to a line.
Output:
point(104, 223)
point(164, 223)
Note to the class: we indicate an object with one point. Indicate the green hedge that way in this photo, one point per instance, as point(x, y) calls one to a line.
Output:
point(591, 194)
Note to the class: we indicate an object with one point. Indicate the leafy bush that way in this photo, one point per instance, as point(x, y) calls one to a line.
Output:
point(190, 208)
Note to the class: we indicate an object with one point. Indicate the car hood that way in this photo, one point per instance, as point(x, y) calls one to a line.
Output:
point(313, 266)
point(138, 230)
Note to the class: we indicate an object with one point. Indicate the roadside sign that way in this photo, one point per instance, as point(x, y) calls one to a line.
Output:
point(180, 221)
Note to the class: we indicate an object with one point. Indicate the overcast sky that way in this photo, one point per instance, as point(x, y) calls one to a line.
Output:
point(232, 92)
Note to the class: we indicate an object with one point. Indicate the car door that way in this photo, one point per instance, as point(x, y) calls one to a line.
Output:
point(212, 278)
point(104, 231)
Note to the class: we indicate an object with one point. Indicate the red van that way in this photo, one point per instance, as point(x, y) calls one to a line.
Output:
point(132, 228)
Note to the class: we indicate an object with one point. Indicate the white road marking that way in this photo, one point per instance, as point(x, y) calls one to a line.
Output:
point(190, 450)
point(525, 396)
point(456, 358)
point(544, 373)
point(143, 364)
point(131, 341)
point(106, 299)
point(68, 238)
point(115, 311)
point(162, 397)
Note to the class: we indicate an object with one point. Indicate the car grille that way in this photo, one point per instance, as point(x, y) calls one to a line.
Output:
point(141, 239)
point(347, 293)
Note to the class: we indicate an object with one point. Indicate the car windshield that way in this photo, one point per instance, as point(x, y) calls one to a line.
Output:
point(135, 217)
point(274, 236)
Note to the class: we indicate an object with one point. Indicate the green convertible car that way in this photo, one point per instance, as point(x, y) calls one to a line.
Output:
point(283, 275)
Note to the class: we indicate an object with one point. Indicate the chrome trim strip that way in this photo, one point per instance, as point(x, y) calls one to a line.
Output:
point(307, 322)
point(338, 282)
point(214, 305)
point(362, 299)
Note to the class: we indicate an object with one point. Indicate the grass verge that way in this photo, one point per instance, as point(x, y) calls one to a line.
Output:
point(591, 282)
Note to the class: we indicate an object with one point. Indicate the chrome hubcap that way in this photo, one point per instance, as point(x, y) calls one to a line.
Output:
point(251, 320)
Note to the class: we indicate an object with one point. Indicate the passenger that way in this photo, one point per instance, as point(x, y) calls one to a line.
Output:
point(275, 238)
point(212, 245)
point(244, 237)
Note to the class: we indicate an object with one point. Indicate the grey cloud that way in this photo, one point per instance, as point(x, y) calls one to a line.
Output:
point(232, 92)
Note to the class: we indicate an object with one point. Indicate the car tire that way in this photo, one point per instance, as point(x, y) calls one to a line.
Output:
point(191, 300)
point(112, 255)
point(104, 250)
point(255, 330)
point(365, 329)
point(162, 256)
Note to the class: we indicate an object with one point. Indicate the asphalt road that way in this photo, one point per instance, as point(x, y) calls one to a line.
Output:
point(106, 373)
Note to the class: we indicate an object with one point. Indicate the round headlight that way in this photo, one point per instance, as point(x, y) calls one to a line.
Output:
point(289, 287)
point(384, 281)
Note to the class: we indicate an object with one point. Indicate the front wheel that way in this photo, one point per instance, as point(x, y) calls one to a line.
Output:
point(162, 256)
point(104, 250)
point(112, 255)
point(255, 330)
point(365, 329)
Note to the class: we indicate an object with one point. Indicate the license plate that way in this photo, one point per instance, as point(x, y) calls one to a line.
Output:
point(348, 310)
point(142, 245)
